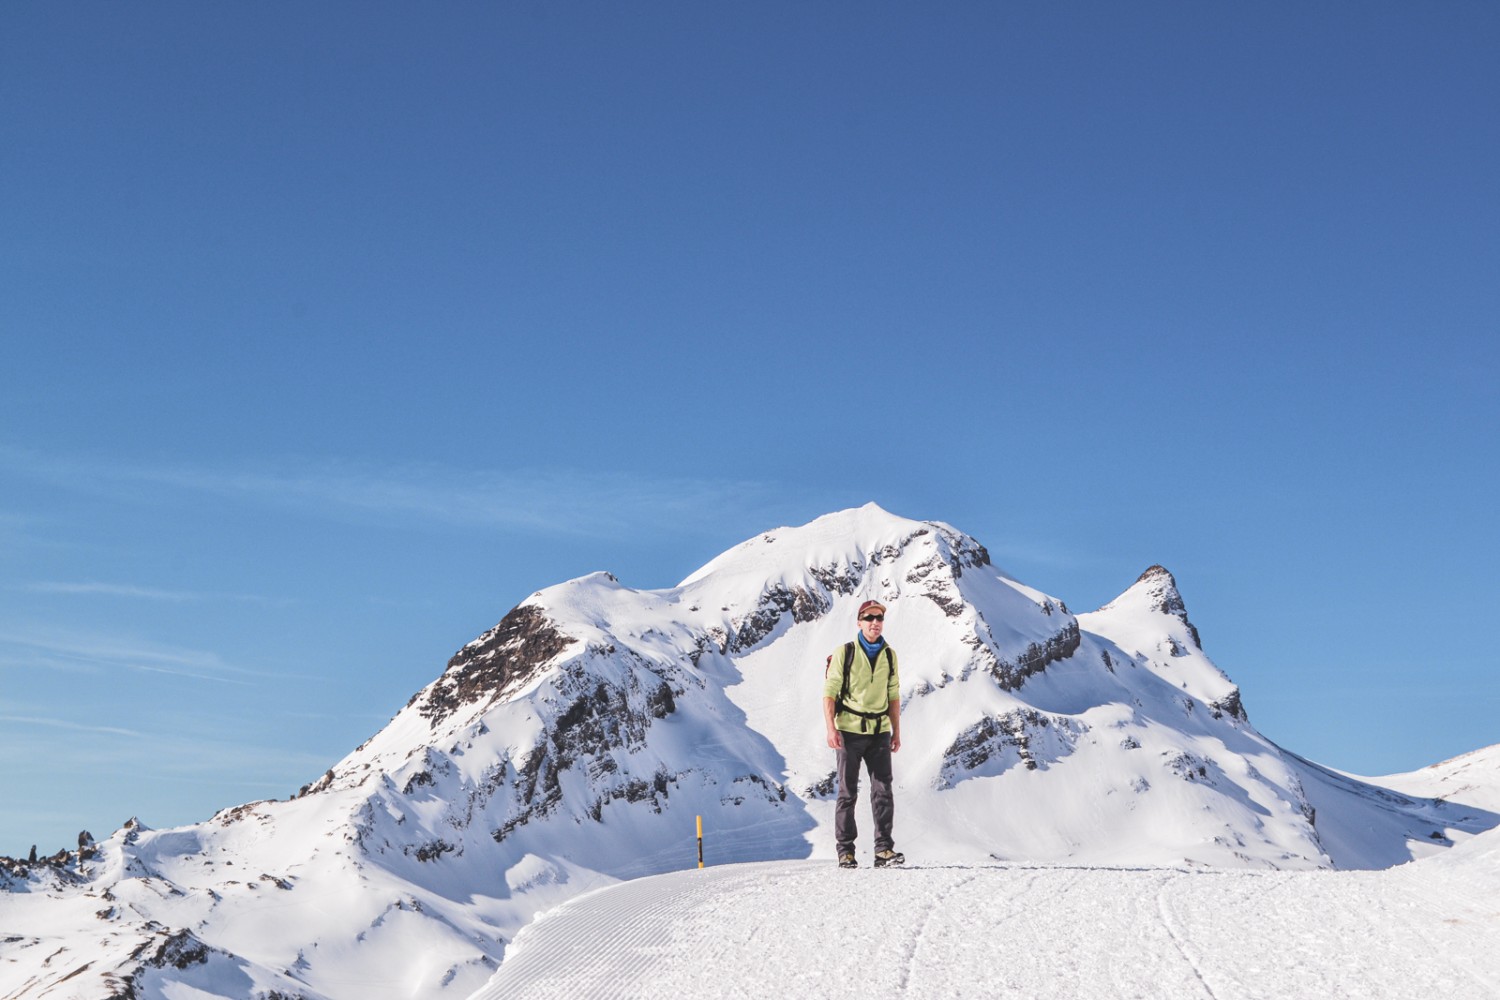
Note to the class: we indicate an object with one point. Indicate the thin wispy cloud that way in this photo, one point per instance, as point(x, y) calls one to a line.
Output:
point(148, 755)
point(75, 727)
point(131, 591)
point(554, 501)
point(561, 502)
point(76, 653)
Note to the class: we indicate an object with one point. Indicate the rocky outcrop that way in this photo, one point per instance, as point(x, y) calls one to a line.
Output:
point(179, 950)
point(995, 743)
point(804, 606)
point(65, 865)
point(598, 721)
point(1011, 673)
point(1229, 705)
point(1165, 598)
point(501, 660)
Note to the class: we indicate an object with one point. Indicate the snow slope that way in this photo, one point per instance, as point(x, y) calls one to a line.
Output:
point(572, 746)
point(1425, 929)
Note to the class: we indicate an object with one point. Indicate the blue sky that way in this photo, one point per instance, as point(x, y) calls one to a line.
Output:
point(332, 331)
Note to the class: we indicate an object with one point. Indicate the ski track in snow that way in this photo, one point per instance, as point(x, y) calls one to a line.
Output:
point(1023, 931)
point(933, 911)
point(1164, 913)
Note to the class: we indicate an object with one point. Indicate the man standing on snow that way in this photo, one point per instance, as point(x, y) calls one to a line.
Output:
point(862, 712)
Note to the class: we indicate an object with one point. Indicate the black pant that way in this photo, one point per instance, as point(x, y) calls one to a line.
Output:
point(875, 750)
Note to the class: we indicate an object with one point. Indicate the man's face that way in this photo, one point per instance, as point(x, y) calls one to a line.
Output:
point(871, 624)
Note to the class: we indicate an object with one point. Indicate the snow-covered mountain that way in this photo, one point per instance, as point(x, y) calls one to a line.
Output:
point(574, 744)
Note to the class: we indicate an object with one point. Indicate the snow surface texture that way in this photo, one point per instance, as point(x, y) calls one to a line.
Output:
point(807, 929)
point(571, 747)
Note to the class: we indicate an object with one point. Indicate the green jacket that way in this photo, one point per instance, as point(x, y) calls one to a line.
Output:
point(872, 687)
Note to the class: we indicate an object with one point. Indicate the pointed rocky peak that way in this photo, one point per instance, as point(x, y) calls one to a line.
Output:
point(1160, 586)
point(1155, 591)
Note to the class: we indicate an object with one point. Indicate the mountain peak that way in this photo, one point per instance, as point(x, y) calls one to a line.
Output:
point(857, 536)
point(1155, 571)
point(1160, 587)
point(1155, 591)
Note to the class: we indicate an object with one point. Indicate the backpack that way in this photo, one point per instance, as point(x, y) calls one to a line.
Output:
point(841, 706)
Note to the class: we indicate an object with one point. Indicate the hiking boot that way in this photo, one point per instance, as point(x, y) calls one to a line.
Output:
point(848, 861)
point(889, 857)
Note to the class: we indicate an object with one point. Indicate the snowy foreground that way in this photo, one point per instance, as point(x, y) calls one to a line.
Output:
point(1429, 929)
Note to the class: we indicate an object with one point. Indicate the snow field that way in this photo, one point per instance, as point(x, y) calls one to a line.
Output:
point(809, 929)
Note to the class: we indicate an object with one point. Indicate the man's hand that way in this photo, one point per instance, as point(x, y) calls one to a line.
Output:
point(895, 741)
point(835, 740)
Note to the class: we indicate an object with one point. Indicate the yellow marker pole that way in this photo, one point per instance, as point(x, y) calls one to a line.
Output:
point(700, 841)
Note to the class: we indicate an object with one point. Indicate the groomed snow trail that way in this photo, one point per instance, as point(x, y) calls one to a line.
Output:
point(809, 929)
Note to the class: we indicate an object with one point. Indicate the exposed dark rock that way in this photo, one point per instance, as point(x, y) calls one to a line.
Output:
point(837, 581)
point(804, 605)
point(923, 570)
point(635, 790)
point(224, 817)
point(1010, 675)
point(714, 638)
point(316, 786)
point(825, 789)
point(758, 787)
point(660, 702)
point(994, 736)
point(431, 851)
point(1165, 598)
point(179, 950)
point(599, 720)
point(1229, 705)
point(968, 554)
point(502, 659)
point(950, 603)
point(1190, 767)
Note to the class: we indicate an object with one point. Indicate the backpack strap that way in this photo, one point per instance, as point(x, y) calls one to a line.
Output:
point(848, 659)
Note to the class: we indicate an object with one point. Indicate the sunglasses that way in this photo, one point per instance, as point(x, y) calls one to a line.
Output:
point(873, 618)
